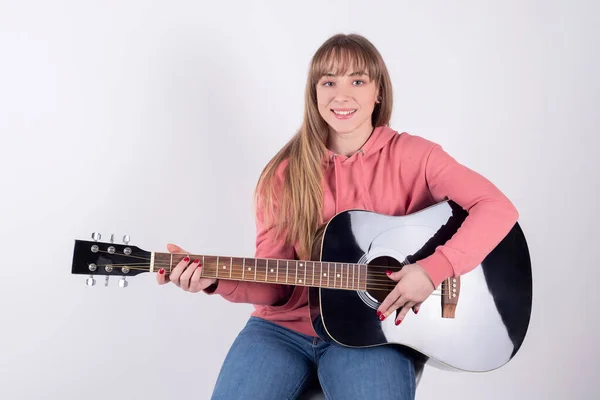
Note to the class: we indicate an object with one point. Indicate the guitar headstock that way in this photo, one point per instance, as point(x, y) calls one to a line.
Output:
point(108, 258)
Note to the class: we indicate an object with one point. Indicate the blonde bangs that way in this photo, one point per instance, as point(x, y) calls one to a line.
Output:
point(343, 57)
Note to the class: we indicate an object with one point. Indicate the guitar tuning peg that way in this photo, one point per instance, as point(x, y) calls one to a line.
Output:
point(106, 281)
point(123, 282)
point(90, 281)
point(126, 239)
point(96, 236)
point(112, 237)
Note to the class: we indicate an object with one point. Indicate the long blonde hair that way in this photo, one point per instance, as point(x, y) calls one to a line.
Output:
point(296, 208)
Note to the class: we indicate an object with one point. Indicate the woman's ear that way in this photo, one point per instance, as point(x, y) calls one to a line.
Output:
point(378, 96)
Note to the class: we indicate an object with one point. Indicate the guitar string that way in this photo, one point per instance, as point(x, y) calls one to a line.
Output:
point(371, 283)
point(147, 269)
point(370, 266)
point(165, 264)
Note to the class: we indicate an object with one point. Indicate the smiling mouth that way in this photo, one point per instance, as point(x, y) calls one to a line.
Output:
point(343, 112)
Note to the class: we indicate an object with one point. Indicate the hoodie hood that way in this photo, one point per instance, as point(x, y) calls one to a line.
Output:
point(356, 170)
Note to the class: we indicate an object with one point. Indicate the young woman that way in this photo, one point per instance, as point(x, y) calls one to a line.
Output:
point(345, 156)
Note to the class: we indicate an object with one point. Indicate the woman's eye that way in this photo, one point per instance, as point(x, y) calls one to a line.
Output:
point(359, 82)
point(327, 83)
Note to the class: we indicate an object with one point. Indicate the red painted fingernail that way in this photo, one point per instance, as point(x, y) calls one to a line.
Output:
point(416, 311)
point(161, 271)
point(378, 313)
point(398, 322)
point(196, 261)
point(388, 272)
point(381, 317)
point(186, 259)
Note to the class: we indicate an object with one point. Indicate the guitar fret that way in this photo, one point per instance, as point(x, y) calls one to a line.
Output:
point(321, 274)
point(305, 274)
point(306, 266)
point(287, 265)
point(302, 280)
point(335, 275)
point(243, 267)
point(230, 266)
point(347, 276)
point(353, 284)
point(277, 273)
point(255, 263)
point(171, 264)
point(266, 270)
point(329, 275)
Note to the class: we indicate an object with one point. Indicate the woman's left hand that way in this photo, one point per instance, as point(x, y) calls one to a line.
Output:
point(413, 288)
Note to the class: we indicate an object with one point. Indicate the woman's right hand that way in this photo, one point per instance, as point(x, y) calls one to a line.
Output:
point(186, 273)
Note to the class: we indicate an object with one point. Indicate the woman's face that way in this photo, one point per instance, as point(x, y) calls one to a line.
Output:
point(346, 102)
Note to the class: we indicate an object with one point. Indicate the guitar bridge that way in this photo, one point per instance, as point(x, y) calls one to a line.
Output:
point(450, 292)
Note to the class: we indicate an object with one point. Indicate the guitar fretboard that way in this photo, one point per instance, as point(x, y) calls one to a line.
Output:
point(289, 272)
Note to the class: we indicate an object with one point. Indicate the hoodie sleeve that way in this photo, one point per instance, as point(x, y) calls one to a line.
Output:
point(491, 216)
point(257, 293)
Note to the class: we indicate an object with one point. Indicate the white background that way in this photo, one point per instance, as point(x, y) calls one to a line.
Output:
point(154, 119)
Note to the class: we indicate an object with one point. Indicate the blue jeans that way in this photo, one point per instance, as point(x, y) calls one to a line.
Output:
point(269, 362)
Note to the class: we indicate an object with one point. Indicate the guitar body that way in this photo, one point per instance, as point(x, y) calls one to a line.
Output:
point(493, 307)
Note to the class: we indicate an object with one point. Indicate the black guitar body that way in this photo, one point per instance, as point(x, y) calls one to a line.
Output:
point(493, 307)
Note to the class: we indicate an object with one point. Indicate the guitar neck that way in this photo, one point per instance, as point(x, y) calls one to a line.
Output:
point(286, 272)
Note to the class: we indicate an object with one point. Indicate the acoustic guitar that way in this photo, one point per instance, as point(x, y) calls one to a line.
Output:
point(475, 322)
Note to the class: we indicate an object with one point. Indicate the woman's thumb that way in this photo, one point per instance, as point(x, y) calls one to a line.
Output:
point(174, 249)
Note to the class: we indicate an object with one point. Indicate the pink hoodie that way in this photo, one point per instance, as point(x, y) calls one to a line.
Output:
point(394, 174)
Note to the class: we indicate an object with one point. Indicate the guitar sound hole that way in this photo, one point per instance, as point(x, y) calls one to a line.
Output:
point(380, 285)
